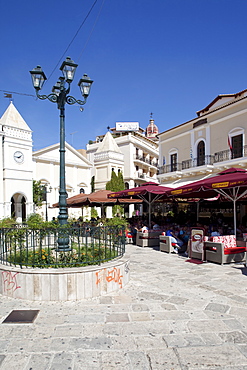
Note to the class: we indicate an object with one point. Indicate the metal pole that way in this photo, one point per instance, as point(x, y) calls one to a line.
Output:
point(149, 210)
point(46, 211)
point(63, 216)
point(63, 239)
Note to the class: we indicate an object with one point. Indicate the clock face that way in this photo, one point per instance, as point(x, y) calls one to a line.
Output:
point(19, 157)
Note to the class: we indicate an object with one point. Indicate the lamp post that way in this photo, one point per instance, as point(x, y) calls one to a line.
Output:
point(45, 196)
point(60, 95)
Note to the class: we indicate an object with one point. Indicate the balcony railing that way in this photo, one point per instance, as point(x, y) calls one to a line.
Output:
point(170, 168)
point(145, 160)
point(224, 155)
point(195, 162)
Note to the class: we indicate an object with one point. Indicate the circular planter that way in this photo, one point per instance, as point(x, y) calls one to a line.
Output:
point(64, 284)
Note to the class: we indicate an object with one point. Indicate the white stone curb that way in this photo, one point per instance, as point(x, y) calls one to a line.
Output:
point(64, 284)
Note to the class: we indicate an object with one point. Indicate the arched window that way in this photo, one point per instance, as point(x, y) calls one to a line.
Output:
point(173, 153)
point(201, 153)
point(12, 207)
point(237, 146)
point(23, 209)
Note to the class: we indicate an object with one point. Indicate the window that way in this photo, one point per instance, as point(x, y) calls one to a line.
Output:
point(237, 146)
point(201, 153)
point(174, 162)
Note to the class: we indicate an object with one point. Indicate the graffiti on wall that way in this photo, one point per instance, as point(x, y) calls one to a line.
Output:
point(109, 275)
point(10, 281)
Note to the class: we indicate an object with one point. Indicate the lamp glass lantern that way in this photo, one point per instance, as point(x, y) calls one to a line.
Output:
point(38, 78)
point(85, 85)
point(68, 68)
point(56, 88)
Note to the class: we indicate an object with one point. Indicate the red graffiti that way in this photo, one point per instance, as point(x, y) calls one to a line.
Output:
point(110, 275)
point(10, 281)
point(98, 276)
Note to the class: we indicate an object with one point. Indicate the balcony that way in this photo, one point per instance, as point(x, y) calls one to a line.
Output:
point(170, 168)
point(224, 155)
point(227, 155)
point(196, 162)
point(145, 160)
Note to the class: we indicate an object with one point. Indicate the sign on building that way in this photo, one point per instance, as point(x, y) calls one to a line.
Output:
point(127, 126)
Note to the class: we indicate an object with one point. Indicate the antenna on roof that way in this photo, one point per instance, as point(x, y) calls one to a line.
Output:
point(72, 135)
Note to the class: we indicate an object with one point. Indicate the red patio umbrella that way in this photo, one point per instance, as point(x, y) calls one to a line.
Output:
point(149, 192)
point(98, 198)
point(231, 184)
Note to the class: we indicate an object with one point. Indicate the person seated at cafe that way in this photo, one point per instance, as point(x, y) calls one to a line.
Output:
point(174, 239)
point(215, 232)
point(184, 235)
point(155, 226)
point(133, 231)
point(144, 227)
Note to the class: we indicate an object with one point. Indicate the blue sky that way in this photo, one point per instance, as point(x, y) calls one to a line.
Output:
point(167, 57)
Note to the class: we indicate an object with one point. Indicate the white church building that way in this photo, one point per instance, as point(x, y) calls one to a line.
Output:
point(133, 152)
point(20, 166)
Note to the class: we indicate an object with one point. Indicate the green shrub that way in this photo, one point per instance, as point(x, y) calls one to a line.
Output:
point(7, 222)
point(116, 221)
point(35, 221)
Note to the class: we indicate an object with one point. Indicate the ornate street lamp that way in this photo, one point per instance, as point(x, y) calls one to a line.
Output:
point(45, 192)
point(60, 95)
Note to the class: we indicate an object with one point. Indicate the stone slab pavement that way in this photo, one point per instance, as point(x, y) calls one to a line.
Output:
point(173, 314)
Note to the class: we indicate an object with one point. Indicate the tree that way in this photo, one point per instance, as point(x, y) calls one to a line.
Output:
point(38, 193)
point(92, 184)
point(116, 184)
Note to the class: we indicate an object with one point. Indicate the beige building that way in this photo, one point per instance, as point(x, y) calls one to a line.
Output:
point(213, 141)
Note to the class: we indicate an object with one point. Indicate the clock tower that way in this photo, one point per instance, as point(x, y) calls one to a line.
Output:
point(16, 176)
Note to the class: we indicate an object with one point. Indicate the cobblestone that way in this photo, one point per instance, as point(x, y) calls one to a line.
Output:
point(172, 315)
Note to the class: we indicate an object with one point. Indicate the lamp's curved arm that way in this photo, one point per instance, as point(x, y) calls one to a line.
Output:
point(71, 100)
point(51, 97)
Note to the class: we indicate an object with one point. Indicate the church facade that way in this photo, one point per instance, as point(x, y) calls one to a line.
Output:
point(20, 166)
point(16, 175)
point(133, 152)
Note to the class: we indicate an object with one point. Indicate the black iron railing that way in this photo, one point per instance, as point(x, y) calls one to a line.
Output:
point(145, 160)
point(196, 162)
point(170, 168)
point(228, 154)
point(223, 155)
point(39, 248)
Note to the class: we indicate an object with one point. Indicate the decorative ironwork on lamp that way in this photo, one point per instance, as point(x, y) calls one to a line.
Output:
point(60, 95)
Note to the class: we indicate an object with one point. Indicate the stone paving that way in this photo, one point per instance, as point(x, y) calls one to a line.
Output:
point(172, 315)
